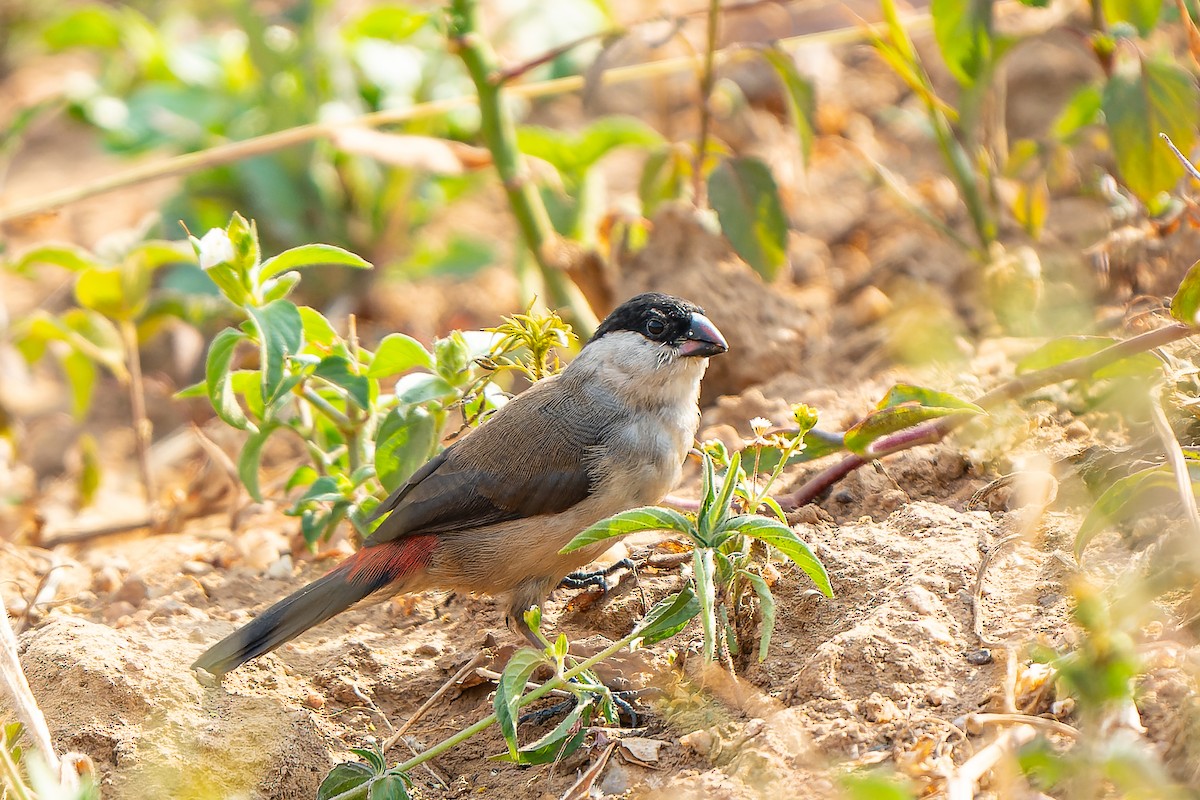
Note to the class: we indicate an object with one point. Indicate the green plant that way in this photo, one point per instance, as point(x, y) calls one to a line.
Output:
point(118, 309)
point(327, 390)
point(721, 553)
point(25, 776)
point(664, 620)
point(1099, 675)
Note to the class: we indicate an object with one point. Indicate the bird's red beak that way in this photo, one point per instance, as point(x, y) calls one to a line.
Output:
point(702, 339)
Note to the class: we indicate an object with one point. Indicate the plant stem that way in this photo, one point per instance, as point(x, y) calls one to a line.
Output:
point(356, 453)
point(500, 136)
point(707, 79)
point(11, 774)
point(325, 407)
point(938, 429)
point(142, 429)
point(558, 682)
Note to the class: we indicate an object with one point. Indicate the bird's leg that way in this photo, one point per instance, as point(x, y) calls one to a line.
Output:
point(581, 579)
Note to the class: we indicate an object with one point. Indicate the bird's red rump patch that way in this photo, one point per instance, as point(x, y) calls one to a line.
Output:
point(389, 561)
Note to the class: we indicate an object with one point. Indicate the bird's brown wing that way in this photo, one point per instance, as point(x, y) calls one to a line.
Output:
point(532, 458)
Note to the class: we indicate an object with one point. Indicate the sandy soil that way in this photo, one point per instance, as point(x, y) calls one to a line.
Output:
point(884, 673)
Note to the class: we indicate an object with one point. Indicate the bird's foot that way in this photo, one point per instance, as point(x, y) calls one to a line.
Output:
point(619, 699)
point(582, 579)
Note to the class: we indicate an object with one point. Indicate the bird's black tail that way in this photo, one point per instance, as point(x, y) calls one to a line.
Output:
point(367, 571)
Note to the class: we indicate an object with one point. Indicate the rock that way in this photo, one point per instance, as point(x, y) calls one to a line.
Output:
point(879, 709)
point(133, 591)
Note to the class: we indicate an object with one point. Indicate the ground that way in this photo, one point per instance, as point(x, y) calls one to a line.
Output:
point(888, 671)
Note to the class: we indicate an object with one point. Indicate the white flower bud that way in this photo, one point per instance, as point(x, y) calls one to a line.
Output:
point(215, 247)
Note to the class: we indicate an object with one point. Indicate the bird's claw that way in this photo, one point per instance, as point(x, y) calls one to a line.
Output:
point(582, 579)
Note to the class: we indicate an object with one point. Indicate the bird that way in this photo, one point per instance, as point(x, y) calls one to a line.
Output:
point(491, 512)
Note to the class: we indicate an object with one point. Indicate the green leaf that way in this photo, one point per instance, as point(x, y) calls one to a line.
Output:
point(344, 777)
point(76, 259)
point(219, 381)
point(646, 518)
point(669, 616)
point(509, 690)
point(1138, 105)
point(89, 469)
point(422, 387)
point(747, 203)
point(879, 424)
point(398, 353)
point(1121, 499)
point(1031, 203)
point(248, 461)
point(963, 29)
point(84, 327)
point(280, 334)
point(666, 176)
point(718, 511)
point(116, 292)
point(785, 540)
point(1186, 301)
point(81, 375)
point(903, 393)
point(572, 154)
point(392, 22)
point(1068, 348)
point(323, 490)
point(389, 786)
point(561, 742)
point(243, 238)
point(766, 607)
point(317, 329)
point(904, 406)
point(1141, 14)
point(1081, 110)
point(406, 440)
point(337, 370)
point(279, 288)
point(94, 27)
point(704, 576)
point(801, 97)
point(309, 255)
point(860, 785)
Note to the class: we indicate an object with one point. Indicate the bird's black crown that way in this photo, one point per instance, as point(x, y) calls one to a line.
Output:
point(659, 317)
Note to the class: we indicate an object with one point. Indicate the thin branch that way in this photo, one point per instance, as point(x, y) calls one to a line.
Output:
point(961, 785)
point(977, 591)
point(428, 704)
point(938, 429)
point(1048, 725)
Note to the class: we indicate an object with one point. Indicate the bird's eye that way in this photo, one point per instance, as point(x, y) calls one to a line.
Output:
point(655, 327)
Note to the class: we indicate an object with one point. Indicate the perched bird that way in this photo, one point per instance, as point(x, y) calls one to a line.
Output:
point(490, 512)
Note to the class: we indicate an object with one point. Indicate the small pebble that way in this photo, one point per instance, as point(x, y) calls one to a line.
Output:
point(281, 568)
point(869, 305)
point(878, 708)
point(195, 568)
point(116, 610)
point(700, 742)
point(106, 580)
point(134, 591)
point(1077, 430)
point(428, 650)
point(939, 696)
point(979, 658)
point(314, 700)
